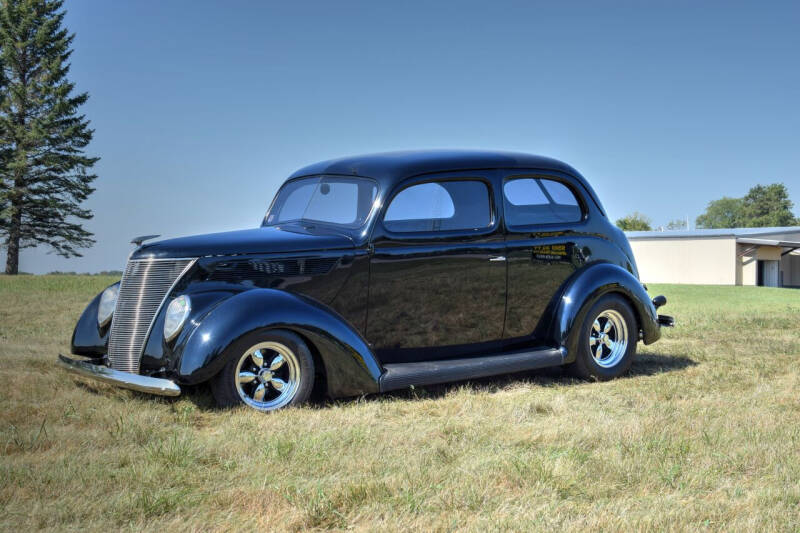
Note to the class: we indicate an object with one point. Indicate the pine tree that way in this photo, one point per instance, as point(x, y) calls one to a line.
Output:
point(44, 173)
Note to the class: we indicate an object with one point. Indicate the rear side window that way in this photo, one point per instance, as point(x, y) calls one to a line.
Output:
point(531, 201)
point(440, 206)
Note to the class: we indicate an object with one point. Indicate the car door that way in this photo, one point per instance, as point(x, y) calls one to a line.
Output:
point(546, 219)
point(437, 271)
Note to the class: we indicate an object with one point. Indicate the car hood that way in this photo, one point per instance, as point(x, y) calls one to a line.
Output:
point(267, 239)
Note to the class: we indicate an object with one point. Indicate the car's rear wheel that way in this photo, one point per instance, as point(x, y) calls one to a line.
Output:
point(606, 341)
point(266, 371)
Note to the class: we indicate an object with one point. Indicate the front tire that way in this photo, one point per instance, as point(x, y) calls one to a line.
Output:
point(606, 340)
point(266, 371)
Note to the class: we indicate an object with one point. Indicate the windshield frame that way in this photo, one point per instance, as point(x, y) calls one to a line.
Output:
point(308, 222)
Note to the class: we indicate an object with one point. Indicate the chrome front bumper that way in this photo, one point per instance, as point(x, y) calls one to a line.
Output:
point(162, 387)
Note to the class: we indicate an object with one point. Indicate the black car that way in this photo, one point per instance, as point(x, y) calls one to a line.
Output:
point(375, 273)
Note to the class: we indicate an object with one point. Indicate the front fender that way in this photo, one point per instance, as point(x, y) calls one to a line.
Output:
point(350, 366)
point(88, 338)
point(586, 287)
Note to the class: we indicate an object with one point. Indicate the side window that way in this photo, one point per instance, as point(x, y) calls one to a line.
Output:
point(530, 201)
point(440, 206)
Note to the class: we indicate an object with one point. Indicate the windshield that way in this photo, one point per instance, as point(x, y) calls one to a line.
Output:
point(327, 199)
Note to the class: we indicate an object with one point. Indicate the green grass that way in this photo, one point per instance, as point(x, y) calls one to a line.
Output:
point(703, 434)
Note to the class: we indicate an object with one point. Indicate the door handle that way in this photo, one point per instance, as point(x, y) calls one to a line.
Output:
point(497, 258)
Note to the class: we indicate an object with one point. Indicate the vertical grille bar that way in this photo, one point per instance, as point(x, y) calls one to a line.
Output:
point(145, 285)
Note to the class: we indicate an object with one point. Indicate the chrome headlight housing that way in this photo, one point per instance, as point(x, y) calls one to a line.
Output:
point(108, 301)
point(177, 312)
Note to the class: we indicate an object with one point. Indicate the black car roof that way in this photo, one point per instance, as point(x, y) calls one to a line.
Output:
point(392, 167)
point(398, 165)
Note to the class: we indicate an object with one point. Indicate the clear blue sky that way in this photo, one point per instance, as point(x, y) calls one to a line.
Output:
point(202, 109)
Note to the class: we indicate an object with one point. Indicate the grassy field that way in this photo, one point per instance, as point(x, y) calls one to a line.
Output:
point(703, 434)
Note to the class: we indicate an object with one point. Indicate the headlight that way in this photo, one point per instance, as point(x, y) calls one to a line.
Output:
point(177, 313)
point(108, 301)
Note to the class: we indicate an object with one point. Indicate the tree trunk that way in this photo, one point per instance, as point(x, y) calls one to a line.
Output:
point(15, 222)
point(12, 244)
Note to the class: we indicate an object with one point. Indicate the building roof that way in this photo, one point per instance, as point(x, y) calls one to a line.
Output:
point(707, 233)
point(769, 242)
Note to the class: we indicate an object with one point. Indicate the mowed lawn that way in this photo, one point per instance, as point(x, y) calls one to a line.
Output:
point(703, 434)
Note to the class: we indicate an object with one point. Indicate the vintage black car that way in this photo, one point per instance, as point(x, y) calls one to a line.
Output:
point(376, 273)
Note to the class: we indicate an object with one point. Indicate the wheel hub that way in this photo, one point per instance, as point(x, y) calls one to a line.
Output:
point(267, 376)
point(608, 338)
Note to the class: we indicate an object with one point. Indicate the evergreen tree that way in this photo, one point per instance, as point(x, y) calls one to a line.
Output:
point(44, 173)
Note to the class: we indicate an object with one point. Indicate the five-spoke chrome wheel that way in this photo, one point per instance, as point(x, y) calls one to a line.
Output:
point(267, 376)
point(608, 339)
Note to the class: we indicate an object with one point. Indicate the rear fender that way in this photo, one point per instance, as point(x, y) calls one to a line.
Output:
point(584, 289)
point(350, 366)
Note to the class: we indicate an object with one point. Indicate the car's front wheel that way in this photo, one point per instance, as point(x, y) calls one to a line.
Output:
point(606, 341)
point(266, 371)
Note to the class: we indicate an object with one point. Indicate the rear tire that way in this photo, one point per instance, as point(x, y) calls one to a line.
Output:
point(266, 371)
point(606, 340)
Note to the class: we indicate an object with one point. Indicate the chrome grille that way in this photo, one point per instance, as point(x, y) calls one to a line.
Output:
point(145, 285)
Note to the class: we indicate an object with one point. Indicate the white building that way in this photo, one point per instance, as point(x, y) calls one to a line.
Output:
point(737, 256)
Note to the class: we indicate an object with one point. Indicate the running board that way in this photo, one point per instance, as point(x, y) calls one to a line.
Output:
point(403, 375)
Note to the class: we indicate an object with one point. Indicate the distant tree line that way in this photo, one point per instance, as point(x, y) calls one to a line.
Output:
point(762, 206)
point(634, 222)
point(115, 273)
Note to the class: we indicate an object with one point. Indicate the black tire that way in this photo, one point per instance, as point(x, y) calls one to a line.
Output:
point(295, 372)
point(613, 361)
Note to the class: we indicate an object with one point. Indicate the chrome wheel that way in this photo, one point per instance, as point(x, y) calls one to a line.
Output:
point(267, 376)
point(608, 338)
